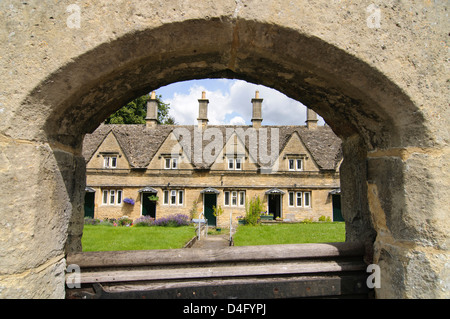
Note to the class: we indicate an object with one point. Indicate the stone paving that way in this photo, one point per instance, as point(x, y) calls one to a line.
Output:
point(213, 242)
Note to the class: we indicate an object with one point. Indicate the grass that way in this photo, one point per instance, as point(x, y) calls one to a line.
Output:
point(108, 238)
point(289, 234)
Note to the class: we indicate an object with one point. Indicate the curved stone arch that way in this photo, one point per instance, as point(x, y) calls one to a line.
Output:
point(380, 141)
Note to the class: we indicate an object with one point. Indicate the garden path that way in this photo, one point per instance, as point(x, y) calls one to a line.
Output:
point(213, 242)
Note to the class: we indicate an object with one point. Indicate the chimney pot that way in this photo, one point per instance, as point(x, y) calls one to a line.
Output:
point(311, 119)
point(257, 111)
point(151, 119)
point(203, 111)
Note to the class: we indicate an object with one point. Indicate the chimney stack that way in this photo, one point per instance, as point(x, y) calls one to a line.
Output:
point(203, 111)
point(257, 111)
point(151, 119)
point(311, 119)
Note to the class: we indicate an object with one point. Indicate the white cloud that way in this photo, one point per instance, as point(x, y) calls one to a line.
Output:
point(230, 103)
point(237, 120)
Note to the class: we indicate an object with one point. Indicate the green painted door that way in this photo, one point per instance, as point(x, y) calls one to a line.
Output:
point(209, 201)
point(89, 205)
point(337, 214)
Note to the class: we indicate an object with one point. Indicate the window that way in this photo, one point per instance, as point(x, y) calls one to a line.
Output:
point(180, 197)
point(300, 199)
point(112, 197)
point(241, 198)
point(230, 163)
point(291, 199)
point(234, 198)
point(166, 198)
point(291, 165)
point(170, 163)
point(105, 198)
point(226, 199)
point(235, 164)
point(238, 165)
point(307, 199)
point(173, 197)
point(295, 164)
point(110, 162)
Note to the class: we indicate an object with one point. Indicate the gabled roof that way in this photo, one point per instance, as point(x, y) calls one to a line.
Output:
point(140, 143)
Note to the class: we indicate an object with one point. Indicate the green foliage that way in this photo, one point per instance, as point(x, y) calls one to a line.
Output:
point(153, 198)
point(124, 221)
point(324, 219)
point(136, 111)
point(217, 211)
point(194, 210)
point(253, 210)
point(297, 233)
point(103, 238)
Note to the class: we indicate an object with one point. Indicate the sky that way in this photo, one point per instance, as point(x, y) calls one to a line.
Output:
point(230, 103)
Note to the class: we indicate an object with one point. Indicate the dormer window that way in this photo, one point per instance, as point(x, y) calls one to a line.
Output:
point(109, 161)
point(235, 163)
point(170, 163)
point(295, 164)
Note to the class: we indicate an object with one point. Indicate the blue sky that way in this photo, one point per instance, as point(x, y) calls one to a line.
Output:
point(230, 103)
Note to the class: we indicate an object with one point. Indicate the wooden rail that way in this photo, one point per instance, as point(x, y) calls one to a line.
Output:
point(277, 271)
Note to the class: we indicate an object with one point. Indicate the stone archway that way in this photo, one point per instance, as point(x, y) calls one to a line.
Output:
point(386, 102)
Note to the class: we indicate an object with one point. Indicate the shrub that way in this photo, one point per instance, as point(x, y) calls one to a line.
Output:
point(173, 221)
point(144, 221)
point(124, 221)
point(91, 221)
point(324, 219)
point(253, 210)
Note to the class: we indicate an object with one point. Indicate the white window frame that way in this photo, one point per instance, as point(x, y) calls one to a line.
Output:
point(235, 163)
point(170, 162)
point(226, 198)
point(234, 198)
point(305, 195)
point(305, 199)
point(180, 197)
point(173, 197)
point(291, 167)
point(105, 197)
point(295, 164)
point(241, 198)
point(299, 196)
point(165, 197)
point(291, 199)
point(238, 162)
point(112, 197)
point(109, 161)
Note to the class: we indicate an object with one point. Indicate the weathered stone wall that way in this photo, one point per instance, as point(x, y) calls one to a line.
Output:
point(374, 70)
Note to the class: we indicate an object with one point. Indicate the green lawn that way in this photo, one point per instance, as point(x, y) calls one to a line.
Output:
point(289, 234)
point(108, 238)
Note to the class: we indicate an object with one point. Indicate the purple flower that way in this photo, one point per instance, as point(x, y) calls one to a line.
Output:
point(129, 201)
point(173, 221)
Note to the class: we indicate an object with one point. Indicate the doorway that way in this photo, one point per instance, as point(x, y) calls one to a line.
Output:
point(148, 205)
point(274, 205)
point(89, 204)
point(337, 214)
point(209, 200)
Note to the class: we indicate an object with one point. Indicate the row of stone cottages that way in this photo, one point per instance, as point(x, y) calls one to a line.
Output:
point(161, 170)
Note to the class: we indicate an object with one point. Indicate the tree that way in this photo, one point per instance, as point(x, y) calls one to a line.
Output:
point(136, 111)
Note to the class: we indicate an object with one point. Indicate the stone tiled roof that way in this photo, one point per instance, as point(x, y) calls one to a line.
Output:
point(141, 143)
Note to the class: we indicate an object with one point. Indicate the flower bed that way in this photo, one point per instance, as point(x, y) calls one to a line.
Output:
point(143, 221)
